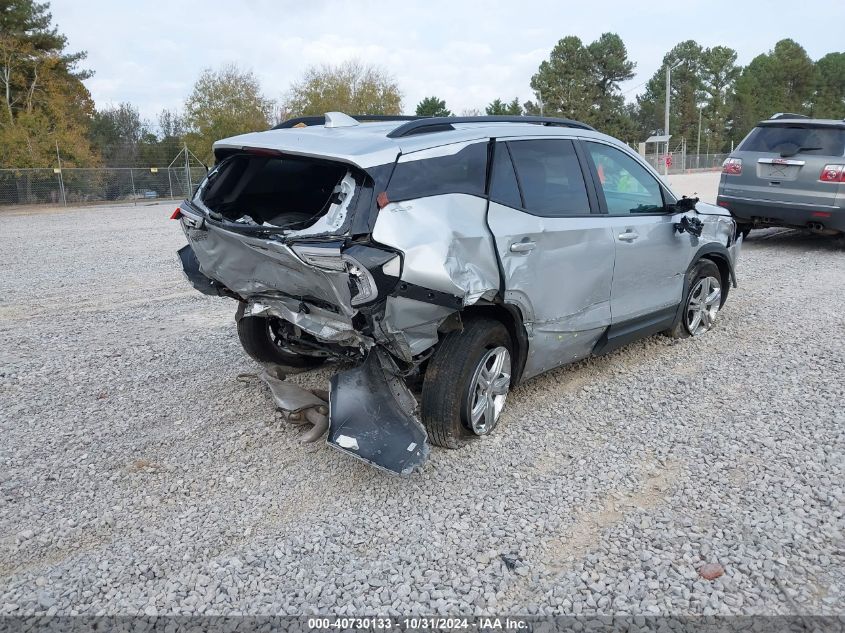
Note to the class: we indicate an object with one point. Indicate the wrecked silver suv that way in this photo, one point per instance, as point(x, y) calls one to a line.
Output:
point(454, 257)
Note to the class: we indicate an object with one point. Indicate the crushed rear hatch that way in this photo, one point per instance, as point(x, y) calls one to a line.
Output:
point(275, 233)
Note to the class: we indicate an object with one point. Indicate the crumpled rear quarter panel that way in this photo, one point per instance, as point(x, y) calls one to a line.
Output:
point(446, 244)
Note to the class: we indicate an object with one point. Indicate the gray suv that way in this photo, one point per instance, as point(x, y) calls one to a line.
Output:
point(446, 259)
point(789, 171)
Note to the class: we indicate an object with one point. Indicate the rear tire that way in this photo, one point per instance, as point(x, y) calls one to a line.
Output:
point(470, 372)
point(701, 302)
point(257, 339)
point(744, 230)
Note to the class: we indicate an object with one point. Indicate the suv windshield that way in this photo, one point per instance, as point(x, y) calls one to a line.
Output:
point(794, 138)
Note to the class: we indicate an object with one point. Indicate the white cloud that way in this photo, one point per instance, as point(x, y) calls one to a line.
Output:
point(465, 52)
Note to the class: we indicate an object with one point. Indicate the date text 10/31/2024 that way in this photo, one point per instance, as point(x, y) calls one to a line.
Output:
point(418, 623)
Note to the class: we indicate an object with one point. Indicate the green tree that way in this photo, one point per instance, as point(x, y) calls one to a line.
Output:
point(352, 88)
point(687, 93)
point(582, 82)
point(829, 97)
point(718, 72)
point(42, 99)
point(116, 133)
point(432, 106)
point(611, 66)
point(564, 83)
point(782, 80)
point(223, 103)
point(500, 107)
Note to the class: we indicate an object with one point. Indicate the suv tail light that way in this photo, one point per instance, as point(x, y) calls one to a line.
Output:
point(732, 166)
point(833, 173)
point(370, 275)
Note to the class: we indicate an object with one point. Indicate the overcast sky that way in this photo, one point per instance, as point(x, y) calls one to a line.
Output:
point(468, 53)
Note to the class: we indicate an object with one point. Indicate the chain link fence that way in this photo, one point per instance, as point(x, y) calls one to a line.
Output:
point(681, 163)
point(87, 186)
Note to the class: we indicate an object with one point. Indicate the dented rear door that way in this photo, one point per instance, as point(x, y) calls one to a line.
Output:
point(556, 255)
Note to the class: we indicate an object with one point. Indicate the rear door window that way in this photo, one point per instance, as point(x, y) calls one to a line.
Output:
point(795, 139)
point(456, 168)
point(503, 186)
point(550, 177)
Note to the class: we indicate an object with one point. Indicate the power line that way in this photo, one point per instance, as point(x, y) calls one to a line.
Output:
point(624, 92)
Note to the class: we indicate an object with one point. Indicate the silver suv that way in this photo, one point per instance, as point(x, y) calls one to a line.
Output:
point(449, 259)
point(789, 171)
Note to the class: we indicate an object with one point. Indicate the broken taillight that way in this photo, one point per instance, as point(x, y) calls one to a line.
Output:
point(732, 166)
point(833, 173)
point(176, 214)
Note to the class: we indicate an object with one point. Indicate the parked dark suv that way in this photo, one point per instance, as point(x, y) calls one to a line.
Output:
point(789, 171)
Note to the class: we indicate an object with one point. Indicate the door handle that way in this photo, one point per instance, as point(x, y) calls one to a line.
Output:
point(628, 236)
point(522, 247)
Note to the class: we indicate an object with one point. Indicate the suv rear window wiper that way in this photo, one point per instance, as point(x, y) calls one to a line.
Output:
point(798, 151)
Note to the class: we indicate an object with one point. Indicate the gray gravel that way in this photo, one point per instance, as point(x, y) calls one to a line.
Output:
point(139, 475)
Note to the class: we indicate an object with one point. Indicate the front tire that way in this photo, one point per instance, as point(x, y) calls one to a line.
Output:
point(259, 338)
point(466, 383)
point(702, 301)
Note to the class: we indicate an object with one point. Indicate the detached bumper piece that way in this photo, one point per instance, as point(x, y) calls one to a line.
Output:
point(372, 417)
point(299, 406)
point(191, 268)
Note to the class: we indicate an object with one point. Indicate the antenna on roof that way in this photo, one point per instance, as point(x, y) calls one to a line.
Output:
point(339, 119)
point(308, 121)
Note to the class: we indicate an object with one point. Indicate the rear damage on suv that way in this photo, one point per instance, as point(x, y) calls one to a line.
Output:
point(293, 238)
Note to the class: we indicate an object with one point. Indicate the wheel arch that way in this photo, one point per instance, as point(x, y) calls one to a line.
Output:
point(719, 255)
point(725, 272)
point(511, 317)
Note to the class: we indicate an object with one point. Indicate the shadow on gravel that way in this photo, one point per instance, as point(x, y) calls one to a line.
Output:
point(796, 239)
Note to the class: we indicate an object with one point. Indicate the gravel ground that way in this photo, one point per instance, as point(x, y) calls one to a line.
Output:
point(140, 475)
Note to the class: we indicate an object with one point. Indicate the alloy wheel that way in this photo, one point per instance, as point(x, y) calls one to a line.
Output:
point(703, 305)
point(489, 390)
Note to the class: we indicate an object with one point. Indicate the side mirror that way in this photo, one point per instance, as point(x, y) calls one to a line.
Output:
point(686, 204)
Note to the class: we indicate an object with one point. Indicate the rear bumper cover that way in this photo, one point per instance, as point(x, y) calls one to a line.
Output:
point(774, 213)
point(371, 416)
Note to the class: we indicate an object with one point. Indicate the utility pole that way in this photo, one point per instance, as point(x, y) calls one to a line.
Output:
point(666, 117)
point(61, 176)
point(188, 173)
point(698, 147)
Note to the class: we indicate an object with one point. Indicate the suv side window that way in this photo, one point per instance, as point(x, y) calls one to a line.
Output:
point(459, 168)
point(628, 188)
point(503, 186)
point(550, 177)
